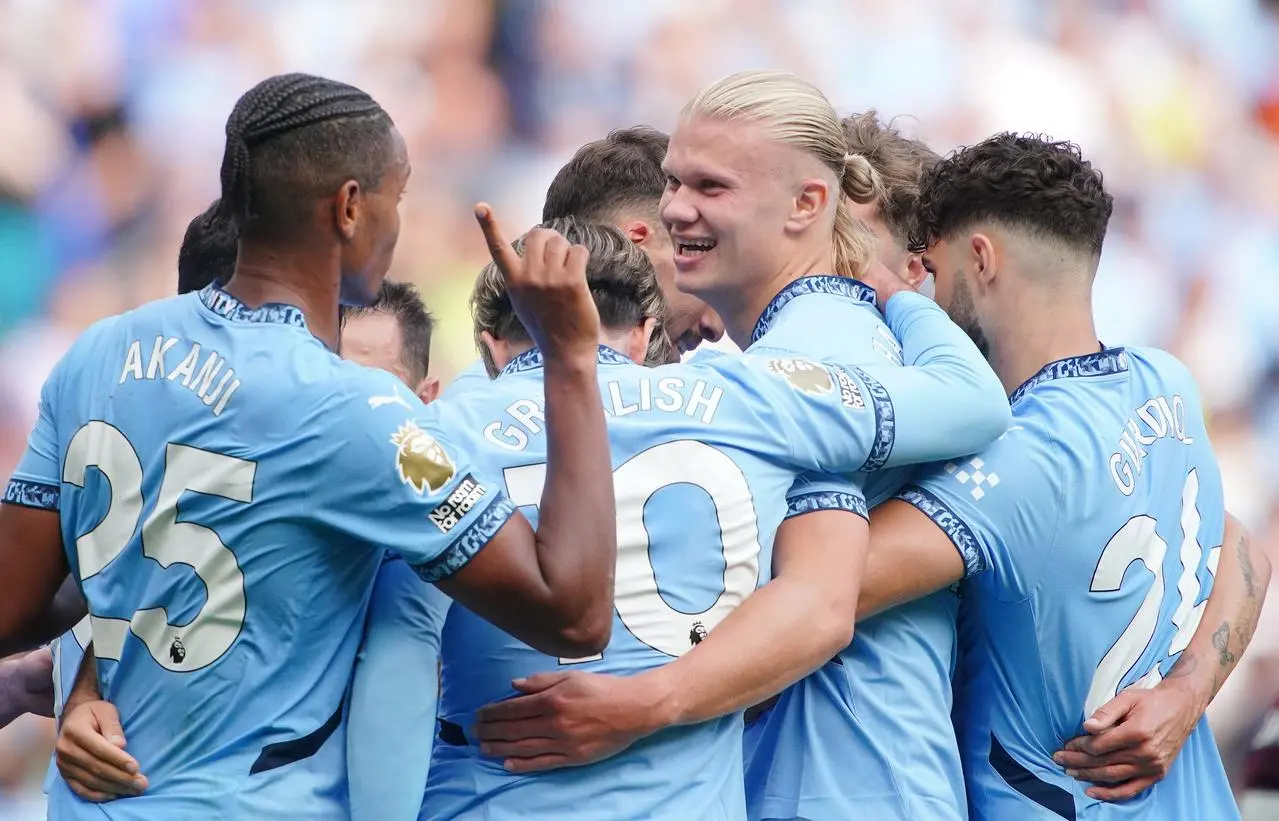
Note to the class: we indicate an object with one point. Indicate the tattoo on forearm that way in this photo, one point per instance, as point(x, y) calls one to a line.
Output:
point(1221, 641)
point(1244, 549)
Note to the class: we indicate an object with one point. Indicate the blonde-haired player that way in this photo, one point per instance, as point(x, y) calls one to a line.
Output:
point(758, 202)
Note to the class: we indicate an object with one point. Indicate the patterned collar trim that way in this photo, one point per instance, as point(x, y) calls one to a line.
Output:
point(532, 359)
point(228, 307)
point(1102, 363)
point(816, 284)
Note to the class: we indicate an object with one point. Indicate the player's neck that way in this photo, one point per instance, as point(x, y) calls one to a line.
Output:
point(289, 275)
point(744, 306)
point(1042, 331)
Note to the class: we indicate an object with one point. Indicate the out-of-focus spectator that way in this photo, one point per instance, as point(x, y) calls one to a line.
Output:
point(113, 117)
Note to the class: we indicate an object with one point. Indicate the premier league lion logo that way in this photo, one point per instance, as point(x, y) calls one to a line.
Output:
point(421, 462)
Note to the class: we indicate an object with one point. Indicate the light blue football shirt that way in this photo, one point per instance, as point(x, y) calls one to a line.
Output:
point(704, 454)
point(1090, 532)
point(227, 487)
point(473, 376)
point(869, 734)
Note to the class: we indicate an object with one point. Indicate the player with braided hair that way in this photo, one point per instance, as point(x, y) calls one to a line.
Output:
point(228, 487)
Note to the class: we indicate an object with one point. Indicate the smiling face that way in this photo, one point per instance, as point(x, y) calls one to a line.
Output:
point(725, 207)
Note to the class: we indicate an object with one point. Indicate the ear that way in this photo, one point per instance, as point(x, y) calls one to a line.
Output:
point(347, 209)
point(637, 231)
point(915, 273)
point(498, 350)
point(637, 341)
point(428, 390)
point(810, 204)
point(984, 258)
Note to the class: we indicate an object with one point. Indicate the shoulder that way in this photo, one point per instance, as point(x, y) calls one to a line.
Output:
point(474, 376)
point(1025, 461)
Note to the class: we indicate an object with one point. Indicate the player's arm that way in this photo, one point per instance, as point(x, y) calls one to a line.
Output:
point(26, 685)
point(90, 750)
point(553, 588)
point(842, 419)
point(947, 401)
point(32, 567)
point(782, 632)
point(779, 634)
point(394, 693)
point(32, 562)
point(1132, 740)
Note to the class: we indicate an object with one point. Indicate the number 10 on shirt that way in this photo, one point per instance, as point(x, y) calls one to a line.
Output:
point(640, 605)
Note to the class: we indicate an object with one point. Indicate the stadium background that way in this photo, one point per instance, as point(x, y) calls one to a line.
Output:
point(111, 131)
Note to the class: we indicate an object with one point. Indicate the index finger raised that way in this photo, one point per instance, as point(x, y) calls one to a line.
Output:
point(499, 248)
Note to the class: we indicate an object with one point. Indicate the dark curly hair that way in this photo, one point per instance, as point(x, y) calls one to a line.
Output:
point(1023, 181)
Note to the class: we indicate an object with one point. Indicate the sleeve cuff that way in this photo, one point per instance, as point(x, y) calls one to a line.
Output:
point(955, 528)
point(39, 495)
point(885, 420)
point(464, 547)
point(825, 500)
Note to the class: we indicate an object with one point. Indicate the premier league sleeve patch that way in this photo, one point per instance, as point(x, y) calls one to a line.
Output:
point(803, 375)
point(420, 460)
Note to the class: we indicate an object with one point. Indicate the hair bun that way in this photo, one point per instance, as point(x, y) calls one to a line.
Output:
point(861, 182)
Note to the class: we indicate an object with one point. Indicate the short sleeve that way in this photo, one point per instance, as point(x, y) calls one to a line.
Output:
point(1000, 508)
point(814, 415)
point(37, 481)
point(401, 477)
point(815, 491)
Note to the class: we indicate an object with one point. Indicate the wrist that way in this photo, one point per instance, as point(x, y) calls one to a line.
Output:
point(1198, 687)
point(664, 703)
point(572, 364)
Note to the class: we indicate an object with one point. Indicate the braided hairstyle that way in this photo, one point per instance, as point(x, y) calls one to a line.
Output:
point(293, 138)
point(208, 250)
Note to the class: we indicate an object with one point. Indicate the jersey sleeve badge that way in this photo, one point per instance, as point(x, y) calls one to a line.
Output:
point(802, 375)
point(420, 460)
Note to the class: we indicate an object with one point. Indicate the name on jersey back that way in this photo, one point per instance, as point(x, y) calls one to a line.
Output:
point(668, 394)
point(1159, 418)
point(204, 373)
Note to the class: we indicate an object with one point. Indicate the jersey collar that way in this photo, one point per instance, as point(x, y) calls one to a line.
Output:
point(228, 307)
point(1103, 363)
point(815, 284)
point(532, 360)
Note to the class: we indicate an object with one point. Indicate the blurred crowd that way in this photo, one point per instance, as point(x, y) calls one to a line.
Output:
point(111, 133)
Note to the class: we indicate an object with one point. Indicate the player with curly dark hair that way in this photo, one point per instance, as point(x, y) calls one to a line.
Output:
point(1038, 200)
point(1107, 463)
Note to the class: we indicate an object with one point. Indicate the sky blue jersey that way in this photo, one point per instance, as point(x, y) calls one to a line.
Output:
point(1090, 533)
point(471, 377)
point(869, 734)
point(227, 487)
point(703, 456)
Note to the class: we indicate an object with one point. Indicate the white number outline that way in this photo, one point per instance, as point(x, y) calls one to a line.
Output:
point(1137, 541)
point(213, 630)
point(638, 600)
